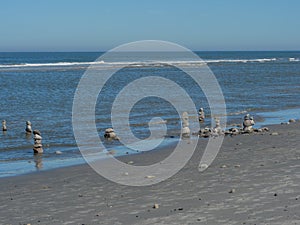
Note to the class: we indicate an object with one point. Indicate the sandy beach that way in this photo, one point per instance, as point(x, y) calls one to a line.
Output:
point(150, 112)
point(255, 179)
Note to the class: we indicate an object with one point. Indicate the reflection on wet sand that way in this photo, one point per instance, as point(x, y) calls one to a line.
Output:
point(38, 159)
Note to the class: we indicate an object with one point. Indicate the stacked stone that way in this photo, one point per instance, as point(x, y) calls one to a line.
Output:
point(4, 128)
point(201, 115)
point(217, 129)
point(233, 131)
point(37, 147)
point(28, 128)
point(247, 127)
point(110, 134)
point(214, 132)
point(248, 124)
point(185, 125)
point(206, 132)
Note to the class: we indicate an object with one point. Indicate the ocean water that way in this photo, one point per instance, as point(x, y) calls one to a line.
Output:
point(40, 87)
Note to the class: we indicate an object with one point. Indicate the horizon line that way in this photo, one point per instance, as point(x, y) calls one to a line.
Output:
point(101, 51)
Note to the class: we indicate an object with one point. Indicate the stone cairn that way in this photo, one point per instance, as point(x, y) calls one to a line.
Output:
point(217, 129)
point(28, 128)
point(248, 124)
point(201, 115)
point(37, 147)
point(110, 134)
point(4, 128)
point(185, 125)
point(247, 127)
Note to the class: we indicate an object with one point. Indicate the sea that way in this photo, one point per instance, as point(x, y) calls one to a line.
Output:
point(40, 87)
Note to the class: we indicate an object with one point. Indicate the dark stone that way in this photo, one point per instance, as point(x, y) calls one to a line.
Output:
point(37, 132)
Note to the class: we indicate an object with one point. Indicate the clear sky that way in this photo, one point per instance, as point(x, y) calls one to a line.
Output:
point(95, 25)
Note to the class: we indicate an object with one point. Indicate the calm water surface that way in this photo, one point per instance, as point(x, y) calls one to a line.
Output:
point(40, 87)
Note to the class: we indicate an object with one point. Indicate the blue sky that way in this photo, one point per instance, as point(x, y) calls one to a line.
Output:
point(94, 25)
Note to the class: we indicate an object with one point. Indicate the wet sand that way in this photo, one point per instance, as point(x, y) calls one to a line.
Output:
point(255, 179)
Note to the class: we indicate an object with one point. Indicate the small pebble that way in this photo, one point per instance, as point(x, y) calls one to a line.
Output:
point(232, 191)
point(130, 162)
point(111, 152)
point(149, 176)
point(274, 134)
point(203, 166)
point(155, 206)
point(58, 152)
point(223, 166)
point(237, 166)
point(126, 174)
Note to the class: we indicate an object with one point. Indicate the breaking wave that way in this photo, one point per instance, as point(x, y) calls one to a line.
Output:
point(294, 60)
point(141, 64)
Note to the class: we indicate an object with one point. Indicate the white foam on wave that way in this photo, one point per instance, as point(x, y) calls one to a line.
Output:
point(51, 64)
point(240, 60)
point(237, 113)
point(294, 59)
point(141, 63)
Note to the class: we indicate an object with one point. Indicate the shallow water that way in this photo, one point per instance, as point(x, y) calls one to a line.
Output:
point(40, 87)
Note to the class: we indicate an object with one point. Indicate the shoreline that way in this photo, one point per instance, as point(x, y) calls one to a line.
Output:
point(268, 117)
point(254, 179)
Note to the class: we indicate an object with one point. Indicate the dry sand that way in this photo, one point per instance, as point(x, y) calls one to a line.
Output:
point(255, 179)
